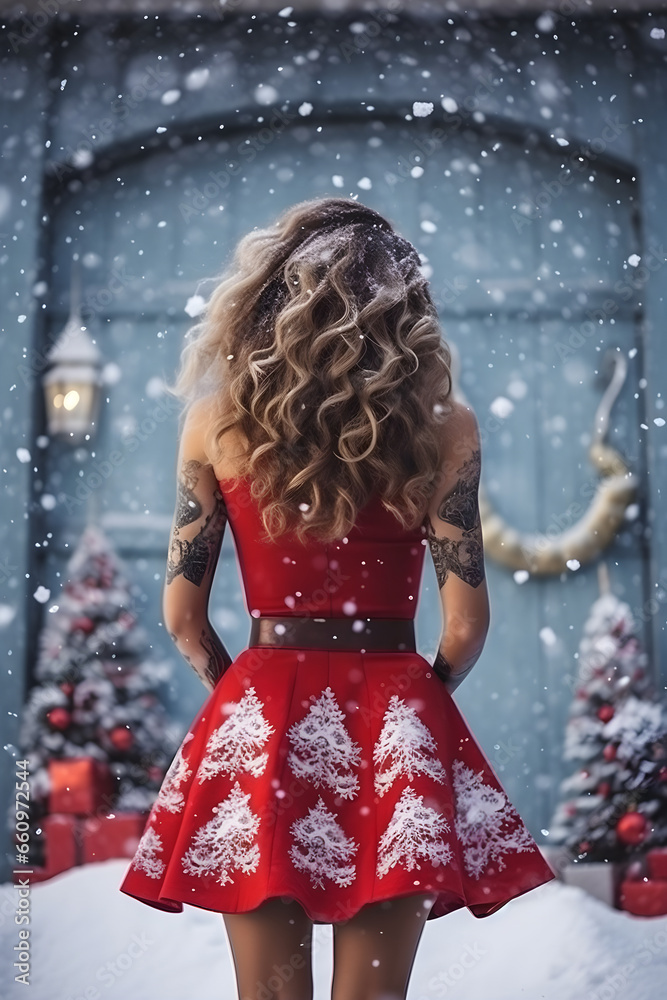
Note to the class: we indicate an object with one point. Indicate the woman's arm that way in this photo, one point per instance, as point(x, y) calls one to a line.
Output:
point(455, 539)
point(194, 546)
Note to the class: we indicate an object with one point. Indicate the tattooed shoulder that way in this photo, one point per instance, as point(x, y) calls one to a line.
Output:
point(462, 556)
point(188, 506)
point(194, 557)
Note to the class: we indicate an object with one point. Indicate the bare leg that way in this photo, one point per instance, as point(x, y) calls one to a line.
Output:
point(271, 946)
point(374, 950)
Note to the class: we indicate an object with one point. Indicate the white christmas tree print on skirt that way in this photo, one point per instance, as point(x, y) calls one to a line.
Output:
point(402, 738)
point(170, 797)
point(484, 821)
point(145, 858)
point(323, 751)
point(413, 832)
point(326, 850)
point(226, 842)
point(235, 745)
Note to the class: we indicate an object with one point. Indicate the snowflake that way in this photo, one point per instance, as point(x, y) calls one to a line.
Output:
point(402, 737)
point(326, 850)
point(484, 818)
point(323, 751)
point(225, 843)
point(233, 746)
point(169, 796)
point(414, 831)
point(145, 857)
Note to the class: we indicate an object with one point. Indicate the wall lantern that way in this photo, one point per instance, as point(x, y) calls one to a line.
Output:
point(72, 384)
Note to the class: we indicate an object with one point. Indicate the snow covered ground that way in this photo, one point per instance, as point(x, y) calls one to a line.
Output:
point(88, 940)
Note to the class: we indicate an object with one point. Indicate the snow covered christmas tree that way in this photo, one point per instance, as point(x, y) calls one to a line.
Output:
point(616, 799)
point(96, 691)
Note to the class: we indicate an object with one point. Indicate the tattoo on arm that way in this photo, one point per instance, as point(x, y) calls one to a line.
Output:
point(442, 667)
point(188, 507)
point(194, 557)
point(444, 670)
point(218, 657)
point(463, 557)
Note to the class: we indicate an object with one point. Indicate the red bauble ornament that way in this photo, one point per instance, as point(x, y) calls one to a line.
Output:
point(632, 828)
point(605, 713)
point(59, 718)
point(662, 774)
point(604, 789)
point(584, 846)
point(609, 752)
point(67, 688)
point(83, 624)
point(121, 738)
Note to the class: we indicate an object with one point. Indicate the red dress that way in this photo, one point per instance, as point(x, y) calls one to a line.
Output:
point(336, 778)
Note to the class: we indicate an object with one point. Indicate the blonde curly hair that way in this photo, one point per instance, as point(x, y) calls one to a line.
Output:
point(321, 344)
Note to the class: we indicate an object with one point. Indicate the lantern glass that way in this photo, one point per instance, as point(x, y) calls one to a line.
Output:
point(72, 404)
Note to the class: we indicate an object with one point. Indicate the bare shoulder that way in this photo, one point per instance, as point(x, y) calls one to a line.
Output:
point(460, 432)
point(461, 415)
point(197, 420)
point(200, 411)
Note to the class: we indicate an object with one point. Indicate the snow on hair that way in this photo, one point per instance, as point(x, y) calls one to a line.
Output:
point(321, 345)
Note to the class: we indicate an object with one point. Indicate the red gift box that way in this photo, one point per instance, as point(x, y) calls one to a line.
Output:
point(647, 898)
point(114, 836)
point(657, 862)
point(62, 847)
point(80, 785)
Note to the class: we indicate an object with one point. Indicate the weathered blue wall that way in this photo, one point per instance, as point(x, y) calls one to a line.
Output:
point(266, 112)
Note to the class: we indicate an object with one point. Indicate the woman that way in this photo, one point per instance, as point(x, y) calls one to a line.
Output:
point(329, 776)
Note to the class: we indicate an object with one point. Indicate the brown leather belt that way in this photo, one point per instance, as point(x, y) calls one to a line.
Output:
point(391, 634)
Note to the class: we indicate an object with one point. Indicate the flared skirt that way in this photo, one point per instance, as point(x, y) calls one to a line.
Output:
point(336, 778)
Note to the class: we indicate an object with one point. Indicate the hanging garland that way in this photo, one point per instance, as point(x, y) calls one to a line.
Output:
point(596, 529)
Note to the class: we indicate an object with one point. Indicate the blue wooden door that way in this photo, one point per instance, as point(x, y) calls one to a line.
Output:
point(518, 264)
